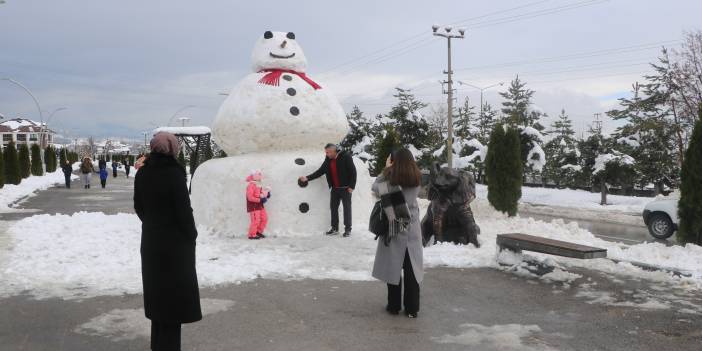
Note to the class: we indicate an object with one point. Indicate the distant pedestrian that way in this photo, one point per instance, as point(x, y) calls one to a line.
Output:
point(127, 165)
point(398, 187)
point(114, 168)
point(161, 200)
point(67, 172)
point(103, 177)
point(87, 169)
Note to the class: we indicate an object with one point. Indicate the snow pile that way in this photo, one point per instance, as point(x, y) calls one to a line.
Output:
point(10, 193)
point(530, 131)
point(359, 150)
point(73, 263)
point(615, 157)
point(200, 130)
point(578, 199)
point(536, 157)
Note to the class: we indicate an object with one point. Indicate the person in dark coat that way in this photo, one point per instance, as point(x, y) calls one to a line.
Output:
point(102, 164)
point(67, 171)
point(400, 261)
point(127, 165)
point(114, 168)
point(161, 200)
point(341, 177)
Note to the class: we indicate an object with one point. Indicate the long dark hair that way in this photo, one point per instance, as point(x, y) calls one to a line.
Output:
point(404, 171)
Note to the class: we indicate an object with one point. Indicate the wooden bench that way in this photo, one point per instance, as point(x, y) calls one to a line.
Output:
point(517, 242)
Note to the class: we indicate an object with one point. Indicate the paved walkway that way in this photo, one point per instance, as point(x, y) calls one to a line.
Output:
point(462, 309)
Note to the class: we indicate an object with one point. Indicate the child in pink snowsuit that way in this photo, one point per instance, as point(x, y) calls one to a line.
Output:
point(256, 196)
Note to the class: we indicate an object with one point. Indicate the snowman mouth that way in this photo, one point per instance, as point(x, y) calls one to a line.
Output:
point(281, 57)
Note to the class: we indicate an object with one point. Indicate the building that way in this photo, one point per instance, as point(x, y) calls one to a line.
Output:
point(24, 131)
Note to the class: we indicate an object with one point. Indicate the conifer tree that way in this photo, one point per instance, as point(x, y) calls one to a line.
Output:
point(62, 156)
point(359, 127)
point(562, 156)
point(193, 162)
point(463, 122)
point(181, 158)
point(37, 167)
point(486, 123)
point(385, 145)
point(25, 164)
point(690, 203)
point(411, 127)
point(504, 170)
point(12, 166)
point(516, 104)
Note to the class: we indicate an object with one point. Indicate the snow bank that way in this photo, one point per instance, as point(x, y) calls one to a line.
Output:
point(577, 199)
point(105, 260)
point(10, 194)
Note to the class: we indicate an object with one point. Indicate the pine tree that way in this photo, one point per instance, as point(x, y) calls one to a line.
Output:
point(359, 128)
point(463, 122)
point(411, 127)
point(647, 137)
point(689, 208)
point(503, 167)
point(181, 158)
point(193, 162)
point(562, 155)
point(25, 164)
point(516, 104)
point(37, 167)
point(12, 166)
point(209, 154)
point(486, 123)
point(2, 169)
point(62, 156)
point(389, 142)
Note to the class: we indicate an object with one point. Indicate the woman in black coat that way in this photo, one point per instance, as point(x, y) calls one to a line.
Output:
point(161, 201)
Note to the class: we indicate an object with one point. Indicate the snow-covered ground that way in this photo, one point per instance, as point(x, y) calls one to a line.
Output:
point(11, 194)
point(580, 199)
point(49, 257)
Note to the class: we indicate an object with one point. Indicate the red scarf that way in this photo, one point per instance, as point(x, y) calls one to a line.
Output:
point(273, 77)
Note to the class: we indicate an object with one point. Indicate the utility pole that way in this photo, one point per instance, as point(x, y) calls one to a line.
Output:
point(448, 35)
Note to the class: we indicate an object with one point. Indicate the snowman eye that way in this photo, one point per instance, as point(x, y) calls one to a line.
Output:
point(268, 34)
point(290, 35)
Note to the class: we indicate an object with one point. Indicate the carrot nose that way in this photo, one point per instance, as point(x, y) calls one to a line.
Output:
point(282, 45)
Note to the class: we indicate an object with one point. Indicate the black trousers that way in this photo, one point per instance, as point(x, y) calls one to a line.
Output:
point(114, 173)
point(126, 170)
point(68, 181)
point(165, 336)
point(411, 290)
point(103, 182)
point(340, 195)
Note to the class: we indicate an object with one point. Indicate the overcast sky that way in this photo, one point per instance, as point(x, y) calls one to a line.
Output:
point(123, 67)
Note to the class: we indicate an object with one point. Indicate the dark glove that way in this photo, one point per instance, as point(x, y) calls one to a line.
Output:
point(263, 201)
point(269, 195)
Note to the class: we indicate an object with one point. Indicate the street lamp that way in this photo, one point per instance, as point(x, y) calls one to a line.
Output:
point(481, 91)
point(449, 34)
point(177, 112)
point(41, 115)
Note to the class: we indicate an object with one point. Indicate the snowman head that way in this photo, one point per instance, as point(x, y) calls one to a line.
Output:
point(278, 50)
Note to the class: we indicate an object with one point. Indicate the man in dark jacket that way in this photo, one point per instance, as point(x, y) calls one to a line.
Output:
point(67, 171)
point(341, 177)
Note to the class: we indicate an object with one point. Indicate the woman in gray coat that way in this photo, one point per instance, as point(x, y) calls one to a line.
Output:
point(401, 251)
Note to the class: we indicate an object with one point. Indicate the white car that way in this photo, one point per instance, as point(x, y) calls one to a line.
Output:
point(661, 217)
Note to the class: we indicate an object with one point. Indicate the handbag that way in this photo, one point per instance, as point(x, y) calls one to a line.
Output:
point(378, 223)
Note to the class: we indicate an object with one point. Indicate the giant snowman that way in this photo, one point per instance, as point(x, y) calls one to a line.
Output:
point(277, 119)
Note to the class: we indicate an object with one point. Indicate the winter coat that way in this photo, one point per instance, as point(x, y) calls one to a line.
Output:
point(255, 197)
point(103, 173)
point(168, 236)
point(345, 169)
point(114, 166)
point(87, 167)
point(102, 164)
point(388, 259)
point(67, 169)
